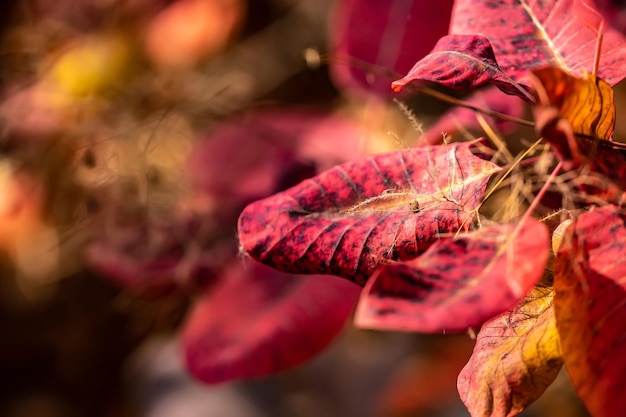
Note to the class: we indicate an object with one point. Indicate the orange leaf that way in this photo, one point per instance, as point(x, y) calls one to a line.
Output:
point(590, 308)
point(571, 113)
point(586, 103)
point(516, 357)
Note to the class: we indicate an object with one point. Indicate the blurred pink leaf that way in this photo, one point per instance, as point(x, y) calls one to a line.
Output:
point(155, 258)
point(241, 160)
point(257, 321)
point(390, 34)
point(254, 156)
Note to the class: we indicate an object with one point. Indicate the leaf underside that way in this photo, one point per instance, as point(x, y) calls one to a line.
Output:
point(462, 62)
point(586, 103)
point(577, 117)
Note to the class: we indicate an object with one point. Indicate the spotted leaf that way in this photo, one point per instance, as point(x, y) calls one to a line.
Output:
point(528, 34)
point(459, 282)
point(356, 216)
point(462, 62)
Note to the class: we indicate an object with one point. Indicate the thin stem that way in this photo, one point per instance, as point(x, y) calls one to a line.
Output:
point(458, 102)
point(537, 199)
point(495, 139)
point(386, 72)
point(542, 192)
point(498, 183)
point(515, 164)
point(596, 56)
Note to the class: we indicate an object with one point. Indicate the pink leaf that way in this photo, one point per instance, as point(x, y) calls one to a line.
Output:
point(356, 216)
point(462, 62)
point(458, 282)
point(383, 33)
point(154, 258)
point(528, 34)
point(281, 148)
point(257, 321)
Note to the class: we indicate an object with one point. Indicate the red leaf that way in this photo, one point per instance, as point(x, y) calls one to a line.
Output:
point(463, 62)
point(361, 214)
point(458, 282)
point(384, 33)
point(461, 117)
point(516, 357)
point(257, 321)
point(590, 289)
point(530, 33)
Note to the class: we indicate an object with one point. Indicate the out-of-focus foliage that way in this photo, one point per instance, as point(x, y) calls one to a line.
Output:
point(132, 134)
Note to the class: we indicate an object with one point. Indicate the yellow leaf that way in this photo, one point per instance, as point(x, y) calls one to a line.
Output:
point(516, 357)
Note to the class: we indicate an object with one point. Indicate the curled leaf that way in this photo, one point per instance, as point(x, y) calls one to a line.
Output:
point(586, 103)
point(516, 357)
point(356, 216)
point(458, 282)
point(462, 62)
point(590, 289)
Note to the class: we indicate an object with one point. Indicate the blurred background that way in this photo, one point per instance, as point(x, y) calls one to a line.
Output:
point(132, 133)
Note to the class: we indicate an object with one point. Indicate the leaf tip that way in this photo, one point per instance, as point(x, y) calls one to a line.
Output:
point(397, 86)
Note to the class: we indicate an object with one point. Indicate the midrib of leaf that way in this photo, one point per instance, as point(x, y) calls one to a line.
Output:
point(406, 196)
point(544, 35)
